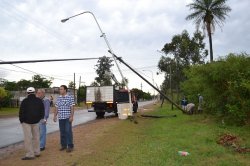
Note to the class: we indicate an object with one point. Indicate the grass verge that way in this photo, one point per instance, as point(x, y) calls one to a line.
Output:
point(157, 141)
point(5, 112)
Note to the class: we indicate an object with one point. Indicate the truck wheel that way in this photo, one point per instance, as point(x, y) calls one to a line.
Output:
point(100, 115)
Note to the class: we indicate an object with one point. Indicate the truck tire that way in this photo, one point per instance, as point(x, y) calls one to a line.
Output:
point(100, 115)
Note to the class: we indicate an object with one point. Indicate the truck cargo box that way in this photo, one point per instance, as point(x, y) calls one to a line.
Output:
point(100, 94)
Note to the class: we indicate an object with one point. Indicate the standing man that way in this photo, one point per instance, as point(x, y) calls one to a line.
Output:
point(65, 111)
point(51, 101)
point(184, 103)
point(200, 103)
point(31, 112)
point(135, 104)
point(42, 125)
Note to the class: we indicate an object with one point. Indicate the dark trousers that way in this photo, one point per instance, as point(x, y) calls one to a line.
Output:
point(66, 134)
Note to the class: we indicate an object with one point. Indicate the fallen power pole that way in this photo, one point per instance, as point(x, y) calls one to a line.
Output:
point(122, 61)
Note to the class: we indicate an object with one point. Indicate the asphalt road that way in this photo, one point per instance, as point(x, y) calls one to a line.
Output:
point(11, 131)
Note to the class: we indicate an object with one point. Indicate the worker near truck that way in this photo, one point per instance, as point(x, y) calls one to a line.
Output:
point(135, 104)
point(65, 111)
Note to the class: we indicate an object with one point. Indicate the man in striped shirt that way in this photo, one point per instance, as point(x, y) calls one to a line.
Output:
point(65, 111)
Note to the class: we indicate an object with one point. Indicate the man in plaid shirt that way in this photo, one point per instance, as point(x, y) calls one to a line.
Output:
point(65, 111)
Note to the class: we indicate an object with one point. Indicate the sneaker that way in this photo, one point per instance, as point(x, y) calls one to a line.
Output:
point(42, 149)
point(37, 155)
point(69, 150)
point(28, 158)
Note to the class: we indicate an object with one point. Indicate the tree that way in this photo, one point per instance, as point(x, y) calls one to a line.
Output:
point(36, 82)
point(10, 86)
point(6, 101)
point(24, 84)
point(147, 96)
point(186, 51)
point(40, 82)
point(3, 94)
point(71, 85)
point(81, 94)
point(139, 94)
point(103, 67)
point(208, 13)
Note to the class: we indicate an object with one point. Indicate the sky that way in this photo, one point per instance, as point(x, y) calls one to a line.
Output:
point(136, 29)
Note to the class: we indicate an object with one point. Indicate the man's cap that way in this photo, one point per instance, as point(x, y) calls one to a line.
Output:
point(31, 90)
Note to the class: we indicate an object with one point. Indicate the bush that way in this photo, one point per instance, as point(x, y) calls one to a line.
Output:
point(3, 94)
point(225, 86)
point(6, 101)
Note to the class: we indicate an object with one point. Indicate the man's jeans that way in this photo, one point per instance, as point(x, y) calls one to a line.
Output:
point(66, 133)
point(43, 130)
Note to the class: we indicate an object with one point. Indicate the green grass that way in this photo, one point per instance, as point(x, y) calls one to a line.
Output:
point(157, 141)
point(9, 112)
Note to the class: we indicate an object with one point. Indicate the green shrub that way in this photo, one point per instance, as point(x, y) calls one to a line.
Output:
point(225, 86)
point(6, 101)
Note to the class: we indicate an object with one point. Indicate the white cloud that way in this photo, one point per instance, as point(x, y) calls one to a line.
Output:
point(135, 28)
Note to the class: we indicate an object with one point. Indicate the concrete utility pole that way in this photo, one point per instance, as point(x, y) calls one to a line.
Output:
point(170, 84)
point(108, 45)
point(153, 86)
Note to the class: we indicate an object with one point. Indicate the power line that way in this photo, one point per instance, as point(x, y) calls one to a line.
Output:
point(30, 71)
point(24, 17)
point(144, 67)
point(46, 60)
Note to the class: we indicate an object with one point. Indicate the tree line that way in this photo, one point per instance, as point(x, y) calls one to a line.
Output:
point(224, 83)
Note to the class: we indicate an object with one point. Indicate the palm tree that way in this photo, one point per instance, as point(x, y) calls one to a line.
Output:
point(208, 13)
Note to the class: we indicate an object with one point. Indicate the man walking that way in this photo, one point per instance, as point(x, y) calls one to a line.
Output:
point(65, 111)
point(43, 122)
point(31, 112)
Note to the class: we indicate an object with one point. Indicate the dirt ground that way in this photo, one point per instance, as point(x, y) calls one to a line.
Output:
point(85, 136)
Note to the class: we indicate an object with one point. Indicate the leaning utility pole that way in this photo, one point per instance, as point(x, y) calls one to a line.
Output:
point(170, 100)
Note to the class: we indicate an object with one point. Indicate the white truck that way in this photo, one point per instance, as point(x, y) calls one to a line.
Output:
point(101, 99)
